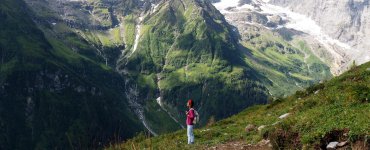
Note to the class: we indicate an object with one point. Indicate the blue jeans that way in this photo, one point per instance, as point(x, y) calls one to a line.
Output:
point(190, 134)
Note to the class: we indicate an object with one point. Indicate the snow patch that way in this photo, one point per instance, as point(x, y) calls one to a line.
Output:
point(154, 7)
point(224, 4)
point(159, 101)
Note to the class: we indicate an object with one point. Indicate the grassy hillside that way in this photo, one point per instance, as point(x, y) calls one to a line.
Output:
point(54, 97)
point(289, 65)
point(336, 110)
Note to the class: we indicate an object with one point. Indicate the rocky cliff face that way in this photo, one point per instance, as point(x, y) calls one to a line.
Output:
point(345, 20)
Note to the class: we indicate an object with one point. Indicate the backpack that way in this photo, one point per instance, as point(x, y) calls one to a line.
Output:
point(196, 118)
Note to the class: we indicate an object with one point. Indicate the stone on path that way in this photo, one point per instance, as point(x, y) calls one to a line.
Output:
point(284, 116)
point(332, 146)
point(261, 127)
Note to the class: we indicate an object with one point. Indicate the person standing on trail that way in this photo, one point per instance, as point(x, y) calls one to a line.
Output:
point(190, 115)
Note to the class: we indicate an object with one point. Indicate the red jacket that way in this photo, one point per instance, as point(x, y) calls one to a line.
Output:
point(190, 117)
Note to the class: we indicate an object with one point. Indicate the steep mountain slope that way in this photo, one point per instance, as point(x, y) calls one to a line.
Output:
point(293, 27)
point(346, 21)
point(171, 51)
point(52, 97)
point(186, 50)
point(168, 52)
point(287, 57)
point(337, 110)
point(352, 28)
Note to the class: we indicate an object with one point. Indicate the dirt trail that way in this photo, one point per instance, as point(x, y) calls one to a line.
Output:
point(241, 145)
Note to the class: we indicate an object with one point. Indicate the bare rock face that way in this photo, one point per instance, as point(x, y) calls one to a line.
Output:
point(276, 19)
point(345, 20)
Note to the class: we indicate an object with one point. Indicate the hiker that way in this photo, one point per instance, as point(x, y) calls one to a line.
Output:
point(190, 115)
